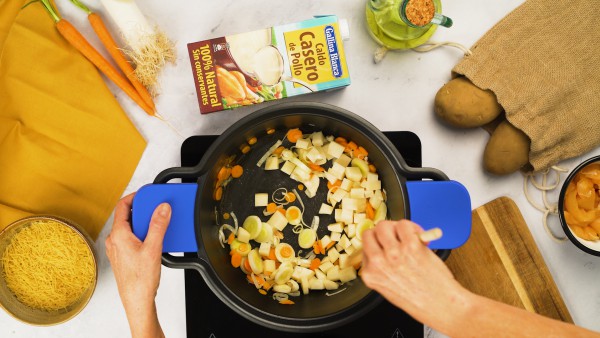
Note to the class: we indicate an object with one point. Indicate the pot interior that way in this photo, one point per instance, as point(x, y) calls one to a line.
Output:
point(238, 199)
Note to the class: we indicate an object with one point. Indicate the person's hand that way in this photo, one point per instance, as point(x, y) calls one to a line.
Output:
point(136, 264)
point(402, 269)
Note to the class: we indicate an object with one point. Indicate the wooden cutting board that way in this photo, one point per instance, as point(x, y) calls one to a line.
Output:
point(501, 261)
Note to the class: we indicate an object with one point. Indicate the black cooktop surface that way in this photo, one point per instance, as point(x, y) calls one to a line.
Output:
point(207, 316)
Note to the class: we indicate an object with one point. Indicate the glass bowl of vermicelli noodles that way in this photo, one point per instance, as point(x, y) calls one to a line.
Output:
point(48, 270)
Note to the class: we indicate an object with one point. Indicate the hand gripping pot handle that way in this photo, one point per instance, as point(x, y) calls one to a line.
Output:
point(440, 203)
point(180, 235)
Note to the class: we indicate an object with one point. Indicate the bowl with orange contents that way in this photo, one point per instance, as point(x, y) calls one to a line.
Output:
point(579, 206)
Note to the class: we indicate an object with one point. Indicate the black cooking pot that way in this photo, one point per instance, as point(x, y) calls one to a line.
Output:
point(434, 203)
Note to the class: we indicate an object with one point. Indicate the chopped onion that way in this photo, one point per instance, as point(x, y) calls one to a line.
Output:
point(268, 153)
point(279, 296)
point(235, 221)
point(329, 294)
point(282, 199)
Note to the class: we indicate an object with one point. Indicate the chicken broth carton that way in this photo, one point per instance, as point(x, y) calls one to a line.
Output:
point(269, 64)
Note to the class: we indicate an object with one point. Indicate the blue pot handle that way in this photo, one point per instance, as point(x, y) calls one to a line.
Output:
point(442, 204)
point(180, 235)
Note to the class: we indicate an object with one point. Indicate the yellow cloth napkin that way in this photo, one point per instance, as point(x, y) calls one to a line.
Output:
point(66, 146)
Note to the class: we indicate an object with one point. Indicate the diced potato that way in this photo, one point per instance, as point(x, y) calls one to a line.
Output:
point(338, 247)
point(351, 230)
point(344, 241)
point(333, 274)
point(261, 199)
point(337, 170)
point(359, 217)
point(335, 227)
point(320, 274)
point(316, 284)
point(317, 138)
point(353, 174)
point(349, 204)
point(346, 184)
point(264, 249)
point(272, 163)
point(361, 206)
point(325, 209)
point(330, 285)
point(343, 260)
point(347, 274)
point(337, 215)
point(325, 240)
point(325, 266)
point(357, 193)
point(243, 235)
point(325, 259)
point(305, 263)
point(330, 177)
point(288, 167)
point(325, 148)
point(300, 174)
point(298, 273)
point(350, 249)
point(303, 143)
point(335, 149)
point(371, 185)
point(347, 216)
point(278, 221)
point(356, 243)
point(268, 266)
point(343, 160)
point(378, 194)
point(312, 185)
point(305, 285)
point(314, 155)
point(368, 193)
point(375, 202)
point(333, 255)
point(371, 177)
point(336, 236)
point(338, 195)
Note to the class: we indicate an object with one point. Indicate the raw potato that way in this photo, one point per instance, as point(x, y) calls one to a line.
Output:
point(507, 150)
point(462, 104)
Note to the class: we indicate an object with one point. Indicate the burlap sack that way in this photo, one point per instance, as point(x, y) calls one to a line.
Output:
point(543, 63)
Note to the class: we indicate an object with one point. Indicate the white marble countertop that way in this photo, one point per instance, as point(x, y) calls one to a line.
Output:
point(396, 94)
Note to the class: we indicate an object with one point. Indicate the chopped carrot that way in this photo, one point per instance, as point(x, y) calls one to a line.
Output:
point(226, 215)
point(315, 263)
point(336, 184)
point(232, 252)
point(278, 151)
point(318, 248)
point(270, 131)
point(286, 302)
point(224, 173)
point(290, 197)
point(281, 210)
point(300, 187)
point(247, 265)
point(330, 245)
point(293, 135)
point(315, 167)
point(341, 141)
point(236, 260)
point(218, 194)
point(361, 153)
point(352, 146)
point(272, 254)
point(370, 211)
point(262, 292)
point(271, 207)
point(252, 140)
point(231, 238)
point(244, 148)
point(372, 168)
point(267, 285)
point(286, 252)
point(237, 171)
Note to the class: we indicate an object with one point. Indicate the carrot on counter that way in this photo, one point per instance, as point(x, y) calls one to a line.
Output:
point(111, 46)
point(74, 37)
